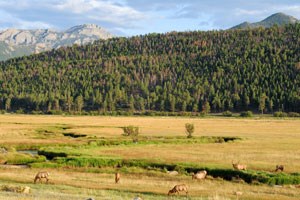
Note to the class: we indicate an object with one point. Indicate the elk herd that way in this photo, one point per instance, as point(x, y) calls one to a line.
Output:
point(202, 175)
point(176, 189)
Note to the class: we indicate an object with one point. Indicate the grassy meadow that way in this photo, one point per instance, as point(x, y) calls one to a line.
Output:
point(87, 150)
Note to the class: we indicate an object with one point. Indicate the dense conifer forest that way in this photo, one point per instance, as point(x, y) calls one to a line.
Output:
point(197, 71)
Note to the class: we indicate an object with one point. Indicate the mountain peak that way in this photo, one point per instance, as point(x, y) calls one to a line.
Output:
point(279, 19)
point(280, 14)
point(91, 30)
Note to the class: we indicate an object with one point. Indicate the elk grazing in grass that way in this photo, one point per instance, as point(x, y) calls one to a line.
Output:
point(239, 166)
point(200, 175)
point(41, 175)
point(178, 188)
point(279, 167)
point(117, 177)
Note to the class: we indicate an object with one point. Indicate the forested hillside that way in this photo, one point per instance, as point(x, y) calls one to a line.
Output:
point(234, 70)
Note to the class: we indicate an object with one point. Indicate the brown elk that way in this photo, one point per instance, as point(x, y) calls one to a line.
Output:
point(117, 177)
point(200, 175)
point(178, 188)
point(41, 175)
point(239, 166)
point(279, 167)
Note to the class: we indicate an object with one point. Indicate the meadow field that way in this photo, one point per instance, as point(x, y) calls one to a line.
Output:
point(82, 153)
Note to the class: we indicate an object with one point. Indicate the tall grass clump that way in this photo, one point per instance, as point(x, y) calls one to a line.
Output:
point(23, 159)
point(88, 162)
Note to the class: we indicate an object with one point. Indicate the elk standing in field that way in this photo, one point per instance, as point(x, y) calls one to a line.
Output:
point(178, 188)
point(200, 175)
point(279, 167)
point(117, 177)
point(41, 175)
point(239, 166)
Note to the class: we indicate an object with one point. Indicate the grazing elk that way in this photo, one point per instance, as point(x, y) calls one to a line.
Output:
point(178, 188)
point(200, 175)
point(279, 167)
point(41, 175)
point(173, 173)
point(239, 166)
point(117, 177)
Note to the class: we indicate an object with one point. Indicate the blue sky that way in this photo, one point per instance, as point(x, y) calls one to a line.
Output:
point(135, 17)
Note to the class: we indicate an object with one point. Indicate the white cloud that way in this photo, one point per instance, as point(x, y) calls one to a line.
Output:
point(241, 12)
point(260, 14)
point(107, 11)
point(76, 6)
point(33, 25)
point(65, 13)
point(293, 10)
point(7, 20)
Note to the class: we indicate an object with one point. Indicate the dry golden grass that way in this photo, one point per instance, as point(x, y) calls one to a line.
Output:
point(266, 142)
point(142, 184)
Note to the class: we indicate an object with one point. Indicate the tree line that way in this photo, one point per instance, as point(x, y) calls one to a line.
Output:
point(196, 71)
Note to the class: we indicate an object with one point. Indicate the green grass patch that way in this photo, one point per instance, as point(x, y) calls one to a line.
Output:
point(21, 159)
point(249, 176)
point(164, 140)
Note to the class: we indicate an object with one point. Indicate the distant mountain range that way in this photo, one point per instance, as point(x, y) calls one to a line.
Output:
point(279, 19)
point(16, 42)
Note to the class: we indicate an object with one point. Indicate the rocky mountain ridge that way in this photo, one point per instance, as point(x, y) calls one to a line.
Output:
point(279, 19)
point(17, 42)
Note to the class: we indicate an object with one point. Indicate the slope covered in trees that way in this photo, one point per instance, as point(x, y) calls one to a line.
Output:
point(235, 70)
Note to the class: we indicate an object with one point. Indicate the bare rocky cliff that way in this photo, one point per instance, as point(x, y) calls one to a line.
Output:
point(16, 42)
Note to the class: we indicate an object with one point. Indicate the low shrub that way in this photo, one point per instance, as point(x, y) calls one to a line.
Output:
point(246, 114)
point(94, 113)
point(280, 114)
point(293, 114)
point(227, 114)
point(20, 111)
point(55, 112)
point(34, 112)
